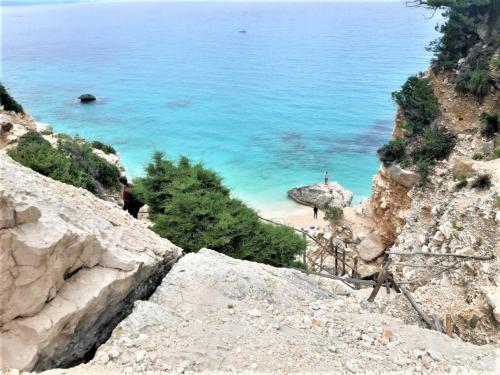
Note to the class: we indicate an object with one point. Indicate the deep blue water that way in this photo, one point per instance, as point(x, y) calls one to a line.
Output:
point(306, 89)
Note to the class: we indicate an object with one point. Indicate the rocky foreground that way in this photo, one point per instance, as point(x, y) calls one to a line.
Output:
point(215, 313)
point(71, 266)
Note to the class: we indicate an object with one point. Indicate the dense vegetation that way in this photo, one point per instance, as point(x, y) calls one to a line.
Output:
point(72, 162)
point(190, 206)
point(460, 30)
point(491, 124)
point(423, 142)
point(103, 147)
point(8, 102)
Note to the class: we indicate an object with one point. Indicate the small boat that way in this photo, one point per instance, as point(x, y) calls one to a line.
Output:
point(242, 31)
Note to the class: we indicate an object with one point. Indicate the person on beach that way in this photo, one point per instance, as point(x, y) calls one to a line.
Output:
point(315, 212)
point(326, 178)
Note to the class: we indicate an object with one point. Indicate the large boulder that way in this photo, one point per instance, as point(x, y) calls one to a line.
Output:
point(370, 247)
point(322, 195)
point(71, 267)
point(402, 176)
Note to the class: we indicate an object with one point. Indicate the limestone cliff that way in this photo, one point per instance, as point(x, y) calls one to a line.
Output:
point(451, 213)
point(71, 266)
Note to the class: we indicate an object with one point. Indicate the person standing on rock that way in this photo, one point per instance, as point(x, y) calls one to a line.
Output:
point(326, 178)
point(315, 212)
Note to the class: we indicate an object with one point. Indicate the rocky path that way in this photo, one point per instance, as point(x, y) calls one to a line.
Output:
point(217, 314)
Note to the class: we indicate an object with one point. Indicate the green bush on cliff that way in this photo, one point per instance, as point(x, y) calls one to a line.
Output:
point(418, 102)
point(423, 144)
point(391, 152)
point(479, 82)
point(460, 29)
point(492, 123)
point(72, 162)
point(190, 206)
point(107, 149)
point(435, 144)
point(8, 102)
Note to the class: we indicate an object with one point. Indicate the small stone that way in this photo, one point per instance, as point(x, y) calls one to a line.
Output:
point(103, 358)
point(388, 335)
point(351, 366)
point(437, 356)
point(113, 352)
point(255, 313)
point(139, 355)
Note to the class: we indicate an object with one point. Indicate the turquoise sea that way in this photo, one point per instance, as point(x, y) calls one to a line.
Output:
point(304, 90)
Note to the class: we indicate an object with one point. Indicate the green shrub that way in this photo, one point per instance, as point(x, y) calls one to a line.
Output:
point(459, 31)
point(103, 147)
point(190, 206)
point(462, 182)
point(418, 102)
point(435, 144)
point(334, 214)
point(478, 156)
point(8, 102)
point(496, 63)
point(72, 162)
point(492, 121)
point(482, 182)
point(394, 151)
point(479, 82)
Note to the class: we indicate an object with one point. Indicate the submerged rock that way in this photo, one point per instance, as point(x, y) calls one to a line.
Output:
point(322, 195)
point(71, 267)
point(86, 98)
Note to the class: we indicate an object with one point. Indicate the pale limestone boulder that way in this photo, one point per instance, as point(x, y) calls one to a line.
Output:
point(402, 176)
point(322, 195)
point(70, 265)
point(371, 247)
point(492, 294)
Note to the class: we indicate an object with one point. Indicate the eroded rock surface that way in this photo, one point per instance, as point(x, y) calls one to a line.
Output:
point(71, 266)
point(215, 313)
point(322, 195)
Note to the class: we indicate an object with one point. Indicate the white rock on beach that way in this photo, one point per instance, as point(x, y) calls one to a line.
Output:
point(322, 195)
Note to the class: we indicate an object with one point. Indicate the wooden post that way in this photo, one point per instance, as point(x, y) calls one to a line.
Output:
point(304, 256)
point(380, 280)
point(336, 260)
point(448, 325)
point(343, 263)
point(423, 315)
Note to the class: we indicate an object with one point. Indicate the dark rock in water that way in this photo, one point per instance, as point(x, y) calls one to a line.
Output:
point(86, 98)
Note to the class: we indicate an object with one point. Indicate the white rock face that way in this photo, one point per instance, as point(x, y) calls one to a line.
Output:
point(70, 264)
point(322, 195)
point(215, 313)
point(403, 177)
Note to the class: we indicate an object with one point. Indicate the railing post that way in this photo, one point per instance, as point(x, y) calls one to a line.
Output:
point(343, 262)
point(336, 260)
